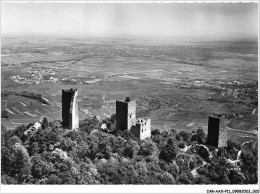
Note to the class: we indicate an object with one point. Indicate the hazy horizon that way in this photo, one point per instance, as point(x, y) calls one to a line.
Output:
point(82, 20)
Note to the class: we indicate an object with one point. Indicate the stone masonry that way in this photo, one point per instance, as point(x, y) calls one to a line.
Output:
point(217, 131)
point(125, 114)
point(70, 115)
point(142, 129)
point(126, 119)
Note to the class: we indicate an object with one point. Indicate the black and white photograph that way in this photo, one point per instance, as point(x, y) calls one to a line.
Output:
point(148, 93)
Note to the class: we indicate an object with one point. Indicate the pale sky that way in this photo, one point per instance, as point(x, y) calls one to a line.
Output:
point(126, 19)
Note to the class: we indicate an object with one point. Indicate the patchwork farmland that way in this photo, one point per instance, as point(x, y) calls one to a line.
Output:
point(23, 110)
point(177, 85)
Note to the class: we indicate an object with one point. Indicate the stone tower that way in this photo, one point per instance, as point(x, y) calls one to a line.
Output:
point(217, 131)
point(142, 129)
point(70, 114)
point(125, 114)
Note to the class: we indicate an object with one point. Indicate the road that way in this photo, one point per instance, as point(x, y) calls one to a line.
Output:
point(194, 171)
point(242, 131)
point(104, 99)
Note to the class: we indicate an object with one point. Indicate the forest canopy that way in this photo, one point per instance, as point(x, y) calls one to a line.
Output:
point(53, 155)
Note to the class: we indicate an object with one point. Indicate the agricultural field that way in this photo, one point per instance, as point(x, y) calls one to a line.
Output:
point(23, 110)
point(176, 84)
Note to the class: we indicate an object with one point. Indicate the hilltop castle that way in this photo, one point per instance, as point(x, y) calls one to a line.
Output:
point(217, 131)
point(70, 115)
point(140, 128)
point(125, 114)
point(126, 119)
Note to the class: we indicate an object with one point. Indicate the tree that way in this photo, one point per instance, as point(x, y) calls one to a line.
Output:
point(181, 144)
point(185, 135)
point(45, 123)
point(126, 134)
point(40, 168)
point(202, 152)
point(131, 149)
point(165, 178)
point(13, 140)
point(199, 136)
point(19, 131)
point(5, 135)
point(95, 157)
point(201, 133)
point(4, 114)
point(88, 174)
point(34, 148)
point(54, 180)
point(106, 145)
point(113, 118)
point(140, 168)
point(92, 143)
point(171, 168)
point(109, 173)
point(155, 132)
point(67, 178)
point(16, 163)
point(185, 178)
point(178, 137)
point(202, 180)
point(236, 178)
point(160, 138)
point(127, 172)
point(232, 148)
point(67, 144)
point(249, 168)
point(39, 142)
point(168, 153)
point(7, 180)
point(148, 148)
point(216, 171)
point(183, 160)
point(127, 99)
point(152, 163)
point(89, 124)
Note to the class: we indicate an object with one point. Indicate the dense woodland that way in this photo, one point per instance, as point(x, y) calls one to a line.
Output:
point(53, 155)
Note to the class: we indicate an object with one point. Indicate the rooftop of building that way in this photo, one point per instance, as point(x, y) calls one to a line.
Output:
point(141, 120)
point(70, 90)
point(127, 100)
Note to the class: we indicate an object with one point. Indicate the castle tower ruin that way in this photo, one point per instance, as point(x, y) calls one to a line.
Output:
point(125, 114)
point(70, 115)
point(142, 129)
point(217, 131)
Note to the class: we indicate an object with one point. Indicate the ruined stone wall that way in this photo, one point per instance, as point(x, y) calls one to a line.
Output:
point(136, 131)
point(74, 112)
point(121, 115)
point(145, 129)
point(70, 118)
point(222, 138)
point(213, 131)
point(66, 99)
point(142, 129)
point(131, 116)
point(217, 131)
point(125, 114)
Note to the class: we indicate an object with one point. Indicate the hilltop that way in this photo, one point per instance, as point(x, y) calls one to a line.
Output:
point(46, 153)
point(176, 84)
